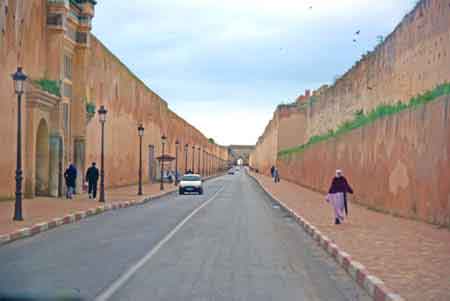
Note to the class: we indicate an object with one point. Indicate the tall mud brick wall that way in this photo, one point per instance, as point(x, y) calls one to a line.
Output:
point(32, 38)
point(286, 129)
point(414, 58)
point(398, 164)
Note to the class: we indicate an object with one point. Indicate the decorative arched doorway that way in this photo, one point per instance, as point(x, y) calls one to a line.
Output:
point(42, 160)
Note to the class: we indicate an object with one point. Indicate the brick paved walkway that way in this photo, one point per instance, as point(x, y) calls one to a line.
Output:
point(412, 258)
point(43, 209)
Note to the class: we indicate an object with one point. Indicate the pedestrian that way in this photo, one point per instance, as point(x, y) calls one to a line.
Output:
point(337, 196)
point(272, 170)
point(276, 175)
point(92, 176)
point(70, 175)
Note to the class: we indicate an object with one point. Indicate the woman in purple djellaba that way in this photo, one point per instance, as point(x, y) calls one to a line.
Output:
point(337, 196)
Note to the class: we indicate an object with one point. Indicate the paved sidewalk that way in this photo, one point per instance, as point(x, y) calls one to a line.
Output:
point(42, 209)
point(412, 258)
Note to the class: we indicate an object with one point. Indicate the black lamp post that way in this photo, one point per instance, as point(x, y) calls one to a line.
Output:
point(207, 165)
point(210, 164)
point(163, 143)
point(193, 158)
point(19, 79)
point(102, 117)
point(177, 144)
point(186, 149)
point(199, 160)
point(215, 164)
point(140, 134)
point(203, 163)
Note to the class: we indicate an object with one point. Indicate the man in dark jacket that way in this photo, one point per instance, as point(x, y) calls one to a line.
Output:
point(70, 175)
point(276, 175)
point(92, 179)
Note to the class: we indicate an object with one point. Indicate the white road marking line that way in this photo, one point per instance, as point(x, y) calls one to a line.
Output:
point(117, 284)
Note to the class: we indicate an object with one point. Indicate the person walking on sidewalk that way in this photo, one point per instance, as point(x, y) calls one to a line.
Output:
point(92, 176)
point(70, 175)
point(337, 196)
point(276, 175)
point(272, 172)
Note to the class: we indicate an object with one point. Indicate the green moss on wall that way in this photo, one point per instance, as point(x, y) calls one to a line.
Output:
point(50, 86)
point(360, 119)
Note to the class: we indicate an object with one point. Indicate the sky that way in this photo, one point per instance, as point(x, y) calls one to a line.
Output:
point(224, 65)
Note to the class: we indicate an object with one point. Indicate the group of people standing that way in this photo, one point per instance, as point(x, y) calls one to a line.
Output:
point(92, 176)
point(275, 174)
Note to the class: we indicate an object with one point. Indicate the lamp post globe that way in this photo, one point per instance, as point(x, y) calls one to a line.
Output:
point(141, 130)
point(19, 79)
point(102, 118)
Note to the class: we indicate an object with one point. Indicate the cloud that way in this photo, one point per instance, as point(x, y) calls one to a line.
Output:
point(244, 54)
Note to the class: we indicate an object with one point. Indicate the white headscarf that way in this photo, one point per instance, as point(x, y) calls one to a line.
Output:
point(338, 173)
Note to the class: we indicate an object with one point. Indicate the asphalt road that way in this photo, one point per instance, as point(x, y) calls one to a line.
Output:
point(232, 243)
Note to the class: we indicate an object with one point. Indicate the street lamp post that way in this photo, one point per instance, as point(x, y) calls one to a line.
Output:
point(141, 134)
point(208, 163)
point(19, 79)
point(203, 163)
point(102, 117)
point(215, 164)
point(163, 143)
point(177, 144)
point(193, 158)
point(199, 160)
point(186, 149)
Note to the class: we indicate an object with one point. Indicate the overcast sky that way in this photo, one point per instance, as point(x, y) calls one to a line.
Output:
point(224, 65)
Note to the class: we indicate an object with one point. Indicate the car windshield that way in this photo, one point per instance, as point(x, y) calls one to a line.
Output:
point(190, 178)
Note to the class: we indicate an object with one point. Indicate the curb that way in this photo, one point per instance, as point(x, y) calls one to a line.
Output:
point(77, 216)
point(69, 219)
point(374, 286)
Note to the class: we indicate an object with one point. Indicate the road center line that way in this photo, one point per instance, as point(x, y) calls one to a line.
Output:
point(117, 284)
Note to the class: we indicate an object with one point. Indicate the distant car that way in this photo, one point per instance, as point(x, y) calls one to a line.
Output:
point(191, 183)
point(231, 171)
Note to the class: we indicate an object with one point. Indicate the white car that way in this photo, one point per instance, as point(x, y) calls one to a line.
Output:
point(191, 183)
